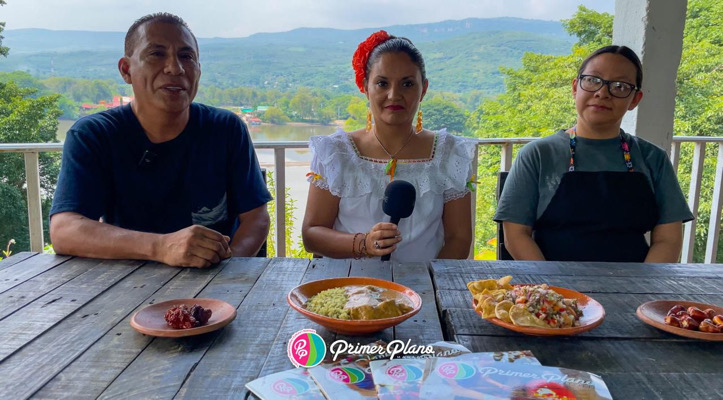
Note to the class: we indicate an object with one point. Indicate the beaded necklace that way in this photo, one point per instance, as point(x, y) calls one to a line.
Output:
point(623, 146)
point(391, 166)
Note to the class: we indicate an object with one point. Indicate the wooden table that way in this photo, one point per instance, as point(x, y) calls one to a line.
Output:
point(635, 360)
point(65, 332)
point(64, 324)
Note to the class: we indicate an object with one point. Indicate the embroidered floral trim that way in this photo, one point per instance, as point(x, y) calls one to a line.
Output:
point(400, 160)
point(361, 56)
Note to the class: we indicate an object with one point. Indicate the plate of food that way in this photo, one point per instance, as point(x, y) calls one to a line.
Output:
point(183, 317)
point(684, 318)
point(355, 305)
point(531, 309)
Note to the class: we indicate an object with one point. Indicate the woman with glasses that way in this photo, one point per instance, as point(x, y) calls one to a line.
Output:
point(592, 192)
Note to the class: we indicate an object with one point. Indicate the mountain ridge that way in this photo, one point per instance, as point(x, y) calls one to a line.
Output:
point(461, 55)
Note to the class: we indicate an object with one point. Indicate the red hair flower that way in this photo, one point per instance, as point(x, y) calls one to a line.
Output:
point(361, 55)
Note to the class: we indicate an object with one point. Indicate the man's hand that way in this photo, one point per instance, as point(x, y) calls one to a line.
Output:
point(195, 246)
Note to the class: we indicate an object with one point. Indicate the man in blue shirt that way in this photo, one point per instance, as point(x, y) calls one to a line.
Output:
point(162, 178)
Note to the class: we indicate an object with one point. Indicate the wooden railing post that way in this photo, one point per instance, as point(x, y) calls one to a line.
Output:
point(711, 247)
point(35, 211)
point(696, 176)
point(280, 168)
point(506, 157)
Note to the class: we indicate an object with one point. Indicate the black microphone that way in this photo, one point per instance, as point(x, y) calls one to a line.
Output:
point(398, 203)
point(147, 159)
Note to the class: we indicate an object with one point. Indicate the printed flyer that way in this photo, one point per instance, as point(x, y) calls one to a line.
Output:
point(294, 384)
point(403, 378)
point(471, 378)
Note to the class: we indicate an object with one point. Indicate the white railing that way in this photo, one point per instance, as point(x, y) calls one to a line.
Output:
point(31, 151)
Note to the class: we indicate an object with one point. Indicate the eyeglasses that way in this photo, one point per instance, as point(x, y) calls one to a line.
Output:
point(592, 83)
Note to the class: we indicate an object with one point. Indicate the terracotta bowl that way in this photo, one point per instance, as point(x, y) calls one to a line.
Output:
point(653, 313)
point(150, 320)
point(593, 315)
point(299, 295)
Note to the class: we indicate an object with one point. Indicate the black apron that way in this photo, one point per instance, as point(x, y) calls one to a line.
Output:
point(598, 216)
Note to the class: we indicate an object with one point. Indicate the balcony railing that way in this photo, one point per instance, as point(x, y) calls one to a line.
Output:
point(31, 151)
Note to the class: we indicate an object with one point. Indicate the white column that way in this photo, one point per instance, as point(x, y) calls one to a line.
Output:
point(654, 30)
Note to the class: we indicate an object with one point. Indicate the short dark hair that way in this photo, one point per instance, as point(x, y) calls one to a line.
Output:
point(623, 51)
point(397, 45)
point(132, 34)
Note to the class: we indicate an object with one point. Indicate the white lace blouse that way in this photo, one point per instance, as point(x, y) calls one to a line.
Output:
point(360, 182)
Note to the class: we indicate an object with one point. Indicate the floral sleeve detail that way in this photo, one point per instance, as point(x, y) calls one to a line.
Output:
point(472, 184)
point(312, 177)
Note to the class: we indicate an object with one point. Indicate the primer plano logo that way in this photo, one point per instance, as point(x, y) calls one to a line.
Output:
point(306, 348)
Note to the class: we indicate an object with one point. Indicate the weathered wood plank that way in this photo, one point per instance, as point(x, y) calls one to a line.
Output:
point(97, 367)
point(278, 359)
point(68, 339)
point(423, 328)
point(163, 366)
point(16, 258)
point(502, 268)
point(240, 350)
point(20, 272)
point(25, 293)
point(677, 285)
point(373, 268)
point(32, 320)
point(681, 385)
point(609, 356)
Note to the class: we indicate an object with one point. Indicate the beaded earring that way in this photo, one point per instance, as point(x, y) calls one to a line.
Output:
point(419, 121)
point(369, 120)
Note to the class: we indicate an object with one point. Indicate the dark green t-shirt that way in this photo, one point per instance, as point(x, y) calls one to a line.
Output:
point(539, 166)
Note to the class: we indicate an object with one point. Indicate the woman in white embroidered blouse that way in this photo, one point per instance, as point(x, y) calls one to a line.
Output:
point(350, 171)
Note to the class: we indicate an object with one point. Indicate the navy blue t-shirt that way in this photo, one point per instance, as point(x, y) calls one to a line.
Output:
point(207, 175)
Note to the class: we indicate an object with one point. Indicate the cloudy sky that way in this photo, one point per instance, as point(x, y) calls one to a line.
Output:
point(239, 18)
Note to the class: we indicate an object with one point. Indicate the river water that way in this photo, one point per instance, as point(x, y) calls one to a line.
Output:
point(297, 160)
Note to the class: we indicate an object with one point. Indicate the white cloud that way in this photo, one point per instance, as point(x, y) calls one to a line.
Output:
point(237, 18)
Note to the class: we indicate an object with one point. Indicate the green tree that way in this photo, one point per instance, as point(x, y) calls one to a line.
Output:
point(440, 113)
point(303, 104)
point(3, 50)
point(357, 110)
point(274, 115)
point(25, 118)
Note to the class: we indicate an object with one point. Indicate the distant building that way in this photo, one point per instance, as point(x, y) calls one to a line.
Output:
point(254, 121)
point(116, 102)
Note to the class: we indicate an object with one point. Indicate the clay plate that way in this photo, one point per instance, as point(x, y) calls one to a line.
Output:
point(299, 295)
point(593, 314)
point(150, 320)
point(653, 313)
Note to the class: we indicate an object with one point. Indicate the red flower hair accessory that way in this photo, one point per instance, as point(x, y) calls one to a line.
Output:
point(361, 55)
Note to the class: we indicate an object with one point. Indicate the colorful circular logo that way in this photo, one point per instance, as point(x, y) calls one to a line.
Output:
point(404, 373)
point(290, 387)
point(456, 370)
point(306, 348)
point(346, 374)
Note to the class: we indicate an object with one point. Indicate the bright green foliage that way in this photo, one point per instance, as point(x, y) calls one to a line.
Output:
point(699, 103)
point(441, 113)
point(3, 50)
point(357, 110)
point(590, 27)
point(274, 115)
point(25, 118)
point(293, 248)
